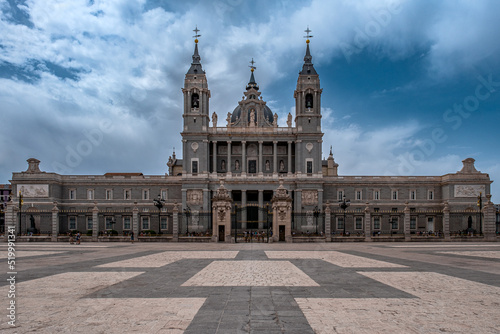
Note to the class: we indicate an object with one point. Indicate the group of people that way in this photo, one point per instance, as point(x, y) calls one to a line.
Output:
point(74, 239)
point(260, 236)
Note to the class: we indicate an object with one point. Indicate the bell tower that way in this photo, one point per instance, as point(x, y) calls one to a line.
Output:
point(308, 116)
point(196, 116)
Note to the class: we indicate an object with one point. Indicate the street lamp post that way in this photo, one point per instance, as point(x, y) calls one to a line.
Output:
point(187, 212)
point(267, 221)
point(344, 204)
point(480, 205)
point(21, 201)
point(158, 202)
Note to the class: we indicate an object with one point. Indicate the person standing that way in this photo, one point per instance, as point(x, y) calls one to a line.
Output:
point(132, 236)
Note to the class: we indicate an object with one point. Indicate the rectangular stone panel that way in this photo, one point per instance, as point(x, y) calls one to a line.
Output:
point(251, 273)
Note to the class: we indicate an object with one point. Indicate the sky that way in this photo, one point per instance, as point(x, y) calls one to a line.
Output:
point(410, 87)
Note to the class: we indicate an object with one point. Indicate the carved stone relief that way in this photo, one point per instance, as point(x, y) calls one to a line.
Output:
point(466, 190)
point(195, 196)
point(34, 190)
point(310, 197)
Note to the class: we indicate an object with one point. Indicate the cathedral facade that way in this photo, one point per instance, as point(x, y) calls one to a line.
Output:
point(246, 173)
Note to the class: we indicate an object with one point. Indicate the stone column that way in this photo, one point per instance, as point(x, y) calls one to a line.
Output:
point(299, 163)
point(328, 222)
point(214, 158)
point(289, 167)
point(282, 213)
point(55, 222)
point(261, 206)
point(259, 168)
point(175, 222)
point(489, 221)
point(406, 222)
point(446, 221)
point(228, 162)
point(243, 157)
point(135, 221)
point(275, 157)
point(95, 222)
point(243, 209)
point(298, 201)
point(368, 223)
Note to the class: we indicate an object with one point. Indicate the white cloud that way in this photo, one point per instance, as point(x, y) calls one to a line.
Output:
point(131, 64)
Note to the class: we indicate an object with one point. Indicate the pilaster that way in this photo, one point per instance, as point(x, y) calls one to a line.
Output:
point(55, 223)
point(95, 222)
point(446, 221)
point(175, 222)
point(328, 222)
point(406, 222)
point(135, 220)
point(368, 223)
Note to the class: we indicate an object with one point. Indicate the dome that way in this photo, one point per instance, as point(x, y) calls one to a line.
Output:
point(268, 114)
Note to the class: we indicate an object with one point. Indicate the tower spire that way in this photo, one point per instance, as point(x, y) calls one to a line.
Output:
point(308, 67)
point(252, 83)
point(196, 65)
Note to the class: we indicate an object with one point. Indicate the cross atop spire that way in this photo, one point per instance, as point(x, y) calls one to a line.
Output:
point(252, 68)
point(196, 30)
point(308, 35)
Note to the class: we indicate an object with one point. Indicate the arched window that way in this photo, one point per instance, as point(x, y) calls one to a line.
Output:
point(309, 101)
point(195, 100)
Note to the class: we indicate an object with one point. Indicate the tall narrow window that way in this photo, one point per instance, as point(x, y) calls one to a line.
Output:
point(90, 193)
point(127, 194)
point(394, 223)
point(164, 194)
point(72, 223)
point(430, 194)
point(72, 194)
point(340, 195)
point(90, 224)
point(309, 167)
point(145, 223)
point(376, 223)
point(195, 101)
point(309, 101)
point(126, 222)
point(358, 195)
point(145, 194)
point(194, 166)
point(163, 223)
point(109, 194)
point(394, 194)
point(413, 194)
point(109, 223)
point(359, 223)
point(413, 223)
point(376, 194)
point(340, 223)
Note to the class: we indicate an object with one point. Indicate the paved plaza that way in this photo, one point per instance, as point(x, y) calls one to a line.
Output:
point(254, 288)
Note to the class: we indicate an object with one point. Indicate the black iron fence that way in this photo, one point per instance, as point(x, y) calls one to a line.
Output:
point(252, 223)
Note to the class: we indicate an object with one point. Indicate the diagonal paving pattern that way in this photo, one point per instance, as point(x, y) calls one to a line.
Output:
point(250, 273)
point(443, 304)
point(58, 304)
point(333, 257)
point(257, 288)
point(164, 258)
point(486, 254)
